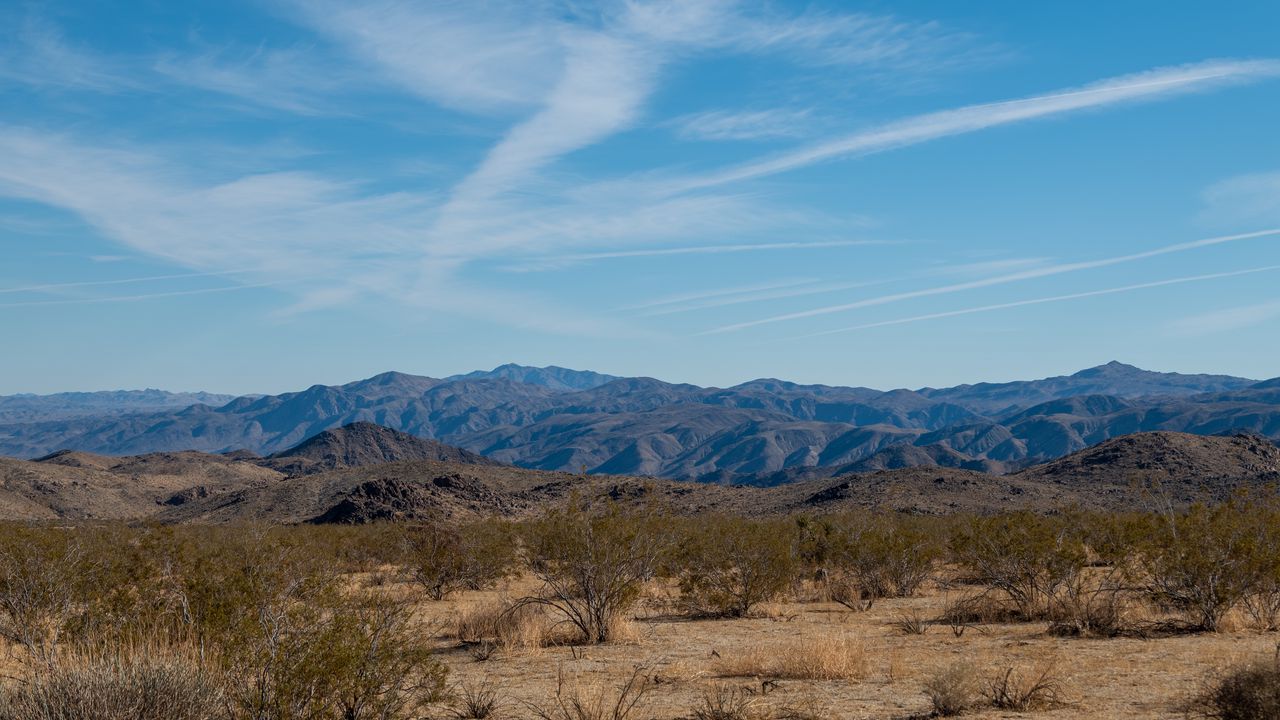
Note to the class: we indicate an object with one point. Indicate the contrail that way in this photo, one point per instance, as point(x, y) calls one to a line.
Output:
point(1038, 301)
point(132, 298)
point(999, 280)
point(88, 283)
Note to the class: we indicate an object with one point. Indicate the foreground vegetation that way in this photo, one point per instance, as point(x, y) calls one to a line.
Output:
point(106, 621)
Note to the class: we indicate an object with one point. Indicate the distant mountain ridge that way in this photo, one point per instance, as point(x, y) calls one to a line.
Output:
point(26, 407)
point(760, 431)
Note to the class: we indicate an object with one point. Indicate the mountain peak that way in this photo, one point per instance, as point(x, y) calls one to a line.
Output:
point(551, 376)
point(1115, 367)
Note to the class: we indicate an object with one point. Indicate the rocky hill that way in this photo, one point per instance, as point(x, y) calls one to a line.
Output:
point(200, 487)
point(364, 443)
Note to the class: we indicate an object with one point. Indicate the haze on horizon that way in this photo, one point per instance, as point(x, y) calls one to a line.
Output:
point(256, 196)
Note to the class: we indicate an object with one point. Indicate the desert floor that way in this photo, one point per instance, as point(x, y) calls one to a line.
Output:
point(1099, 678)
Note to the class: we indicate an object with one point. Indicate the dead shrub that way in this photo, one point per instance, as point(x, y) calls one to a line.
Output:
point(477, 701)
point(574, 701)
point(1022, 690)
point(723, 702)
point(141, 686)
point(912, 623)
point(954, 690)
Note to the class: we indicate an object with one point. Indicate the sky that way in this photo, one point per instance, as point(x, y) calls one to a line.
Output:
point(251, 196)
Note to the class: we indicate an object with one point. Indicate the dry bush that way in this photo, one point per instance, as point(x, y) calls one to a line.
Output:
point(723, 702)
point(954, 690)
point(573, 700)
point(477, 701)
point(727, 566)
point(43, 574)
point(593, 565)
point(1021, 690)
point(1249, 692)
point(827, 657)
point(138, 686)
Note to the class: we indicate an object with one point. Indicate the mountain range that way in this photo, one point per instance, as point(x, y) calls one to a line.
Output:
point(760, 432)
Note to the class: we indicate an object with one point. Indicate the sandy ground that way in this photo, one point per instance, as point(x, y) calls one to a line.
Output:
point(1100, 678)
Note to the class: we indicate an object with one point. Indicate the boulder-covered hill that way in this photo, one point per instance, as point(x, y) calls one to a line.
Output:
point(557, 419)
point(364, 443)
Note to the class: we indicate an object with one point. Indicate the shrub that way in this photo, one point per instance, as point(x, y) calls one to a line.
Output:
point(1251, 692)
point(352, 659)
point(444, 560)
point(953, 691)
point(881, 557)
point(110, 687)
point(728, 566)
point(592, 566)
point(477, 701)
point(1206, 561)
point(44, 579)
point(1025, 557)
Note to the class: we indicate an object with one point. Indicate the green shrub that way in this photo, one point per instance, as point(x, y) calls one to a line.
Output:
point(444, 560)
point(727, 566)
point(592, 564)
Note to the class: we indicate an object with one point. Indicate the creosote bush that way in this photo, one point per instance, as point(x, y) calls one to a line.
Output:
point(444, 560)
point(727, 566)
point(592, 564)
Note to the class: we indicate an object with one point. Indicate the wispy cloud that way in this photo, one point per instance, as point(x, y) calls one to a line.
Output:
point(1150, 85)
point(136, 298)
point(999, 280)
point(1251, 199)
point(717, 293)
point(562, 260)
point(742, 124)
point(1043, 300)
point(121, 281)
point(1235, 318)
point(35, 53)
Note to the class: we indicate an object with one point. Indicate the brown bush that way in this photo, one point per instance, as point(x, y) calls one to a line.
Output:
point(1021, 689)
point(953, 691)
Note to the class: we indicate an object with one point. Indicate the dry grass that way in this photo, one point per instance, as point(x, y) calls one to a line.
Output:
point(503, 625)
point(825, 657)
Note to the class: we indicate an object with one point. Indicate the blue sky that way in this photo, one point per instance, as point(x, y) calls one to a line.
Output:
point(257, 196)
